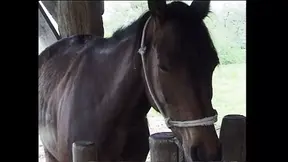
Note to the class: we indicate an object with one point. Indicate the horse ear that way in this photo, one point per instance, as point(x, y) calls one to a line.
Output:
point(157, 8)
point(202, 8)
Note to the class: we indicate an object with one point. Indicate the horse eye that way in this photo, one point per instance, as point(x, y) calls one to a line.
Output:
point(163, 68)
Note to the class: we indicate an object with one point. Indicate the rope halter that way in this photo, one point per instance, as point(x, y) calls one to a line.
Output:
point(170, 123)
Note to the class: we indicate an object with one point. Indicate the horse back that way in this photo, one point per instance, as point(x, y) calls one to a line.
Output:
point(56, 59)
point(82, 79)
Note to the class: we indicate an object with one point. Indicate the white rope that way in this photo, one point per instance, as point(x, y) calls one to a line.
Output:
point(192, 123)
point(142, 51)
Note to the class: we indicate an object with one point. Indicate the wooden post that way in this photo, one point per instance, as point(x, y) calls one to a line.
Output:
point(45, 34)
point(44, 14)
point(83, 151)
point(80, 17)
point(233, 138)
point(163, 148)
point(51, 6)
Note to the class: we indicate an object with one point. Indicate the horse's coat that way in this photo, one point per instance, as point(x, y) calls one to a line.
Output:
point(92, 88)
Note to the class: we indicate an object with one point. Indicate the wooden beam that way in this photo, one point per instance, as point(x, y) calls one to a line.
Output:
point(51, 6)
point(43, 13)
point(45, 34)
point(80, 17)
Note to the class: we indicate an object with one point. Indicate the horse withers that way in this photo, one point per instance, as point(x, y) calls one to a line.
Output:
point(100, 89)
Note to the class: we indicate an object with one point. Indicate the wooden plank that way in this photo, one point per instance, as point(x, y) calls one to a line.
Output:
point(45, 34)
point(83, 151)
point(233, 138)
point(48, 21)
point(51, 6)
point(80, 17)
point(163, 147)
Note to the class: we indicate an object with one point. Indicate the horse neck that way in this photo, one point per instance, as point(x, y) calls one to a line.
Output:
point(126, 88)
point(126, 66)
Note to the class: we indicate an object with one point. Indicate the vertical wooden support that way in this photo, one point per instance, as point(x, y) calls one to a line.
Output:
point(233, 138)
point(163, 148)
point(84, 151)
point(45, 34)
point(80, 17)
point(77, 17)
point(51, 6)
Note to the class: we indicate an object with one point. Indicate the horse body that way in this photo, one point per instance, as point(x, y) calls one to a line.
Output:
point(82, 100)
point(100, 90)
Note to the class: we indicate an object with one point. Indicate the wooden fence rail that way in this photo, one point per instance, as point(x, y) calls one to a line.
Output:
point(164, 149)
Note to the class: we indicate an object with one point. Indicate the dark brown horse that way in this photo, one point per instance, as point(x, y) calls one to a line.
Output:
point(100, 90)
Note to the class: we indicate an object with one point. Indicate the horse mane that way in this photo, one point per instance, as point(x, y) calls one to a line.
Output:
point(134, 27)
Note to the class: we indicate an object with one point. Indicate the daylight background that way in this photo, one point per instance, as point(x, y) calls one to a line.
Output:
point(227, 26)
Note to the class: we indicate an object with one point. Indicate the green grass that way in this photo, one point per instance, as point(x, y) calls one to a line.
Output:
point(229, 91)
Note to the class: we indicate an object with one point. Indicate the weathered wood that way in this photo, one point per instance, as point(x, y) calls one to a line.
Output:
point(48, 21)
point(84, 151)
point(80, 17)
point(233, 138)
point(51, 6)
point(45, 34)
point(163, 148)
